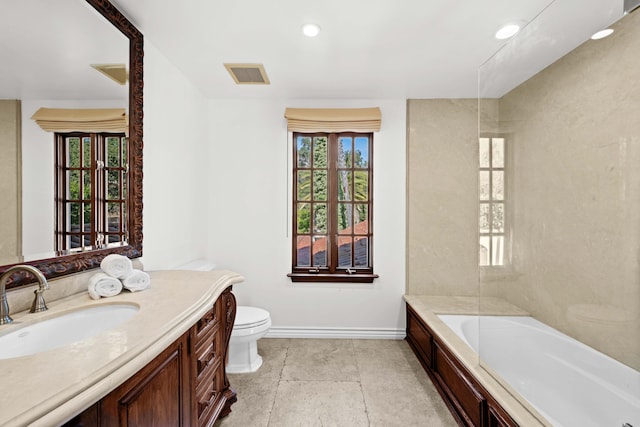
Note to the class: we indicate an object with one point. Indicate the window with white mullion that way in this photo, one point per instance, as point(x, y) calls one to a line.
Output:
point(492, 201)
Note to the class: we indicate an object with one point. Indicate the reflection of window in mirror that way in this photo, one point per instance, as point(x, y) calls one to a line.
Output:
point(494, 238)
point(91, 190)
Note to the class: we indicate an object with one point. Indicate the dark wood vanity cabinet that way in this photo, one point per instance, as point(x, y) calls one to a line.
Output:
point(155, 396)
point(209, 337)
point(468, 401)
point(185, 385)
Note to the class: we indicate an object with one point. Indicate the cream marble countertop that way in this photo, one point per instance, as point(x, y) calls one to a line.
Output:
point(51, 387)
point(428, 308)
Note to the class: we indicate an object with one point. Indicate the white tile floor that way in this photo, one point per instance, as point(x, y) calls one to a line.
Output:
point(313, 382)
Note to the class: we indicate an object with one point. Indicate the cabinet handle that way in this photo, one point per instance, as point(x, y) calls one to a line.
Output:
point(206, 320)
point(205, 401)
point(203, 363)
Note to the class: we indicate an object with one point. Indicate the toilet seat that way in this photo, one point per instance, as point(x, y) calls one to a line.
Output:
point(250, 317)
point(251, 325)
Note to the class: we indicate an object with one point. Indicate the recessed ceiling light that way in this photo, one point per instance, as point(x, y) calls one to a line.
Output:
point(311, 30)
point(507, 31)
point(602, 34)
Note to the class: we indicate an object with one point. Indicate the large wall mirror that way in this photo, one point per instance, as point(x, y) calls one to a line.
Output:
point(67, 54)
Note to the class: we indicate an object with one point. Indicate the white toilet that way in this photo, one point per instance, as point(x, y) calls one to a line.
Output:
point(251, 324)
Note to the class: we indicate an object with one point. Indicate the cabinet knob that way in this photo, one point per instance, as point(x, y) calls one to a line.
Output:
point(203, 363)
point(205, 401)
point(206, 320)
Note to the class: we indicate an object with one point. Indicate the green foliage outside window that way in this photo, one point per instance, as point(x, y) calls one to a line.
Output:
point(315, 148)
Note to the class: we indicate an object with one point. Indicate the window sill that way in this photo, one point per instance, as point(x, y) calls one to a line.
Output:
point(333, 278)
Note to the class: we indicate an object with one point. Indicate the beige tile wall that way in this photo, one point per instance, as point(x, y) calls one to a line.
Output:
point(576, 148)
point(10, 189)
point(442, 186)
point(576, 209)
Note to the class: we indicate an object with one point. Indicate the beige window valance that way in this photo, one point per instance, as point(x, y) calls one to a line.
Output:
point(84, 120)
point(333, 119)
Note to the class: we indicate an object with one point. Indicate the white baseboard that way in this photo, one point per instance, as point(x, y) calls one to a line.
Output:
point(346, 333)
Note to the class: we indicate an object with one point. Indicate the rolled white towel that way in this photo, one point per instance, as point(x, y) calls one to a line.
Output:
point(137, 280)
point(116, 266)
point(103, 285)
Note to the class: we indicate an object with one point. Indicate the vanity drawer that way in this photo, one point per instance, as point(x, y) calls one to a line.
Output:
point(204, 325)
point(208, 391)
point(208, 367)
point(207, 354)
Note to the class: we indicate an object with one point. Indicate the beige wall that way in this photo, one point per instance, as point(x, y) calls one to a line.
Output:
point(10, 191)
point(442, 193)
point(576, 222)
point(575, 147)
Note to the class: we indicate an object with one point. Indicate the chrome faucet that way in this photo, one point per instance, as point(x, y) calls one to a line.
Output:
point(38, 301)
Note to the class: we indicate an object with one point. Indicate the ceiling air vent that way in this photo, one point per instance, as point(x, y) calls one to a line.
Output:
point(116, 72)
point(248, 74)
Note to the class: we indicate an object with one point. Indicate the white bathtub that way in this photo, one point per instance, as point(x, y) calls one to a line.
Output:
point(569, 383)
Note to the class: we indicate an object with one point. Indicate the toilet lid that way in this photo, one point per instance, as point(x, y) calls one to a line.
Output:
point(248, 317)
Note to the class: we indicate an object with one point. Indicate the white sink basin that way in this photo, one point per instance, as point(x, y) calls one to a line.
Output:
point(63, 330)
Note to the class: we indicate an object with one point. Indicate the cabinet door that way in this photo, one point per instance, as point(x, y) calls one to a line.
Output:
point(469, 404)
point(420, 338)
point(158, 395)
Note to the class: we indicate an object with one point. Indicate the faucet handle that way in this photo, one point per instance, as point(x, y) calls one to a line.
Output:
point(38, 304)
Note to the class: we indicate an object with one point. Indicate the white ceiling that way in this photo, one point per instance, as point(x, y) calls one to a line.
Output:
point(46, 48)
point(366, 49)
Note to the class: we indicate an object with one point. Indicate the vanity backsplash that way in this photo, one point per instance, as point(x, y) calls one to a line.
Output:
point(21, 299)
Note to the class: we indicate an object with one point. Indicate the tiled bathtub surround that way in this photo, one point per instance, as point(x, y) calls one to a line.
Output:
point(574, 135)
point(11, 224)
point(575, 150)
point(442, 180)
